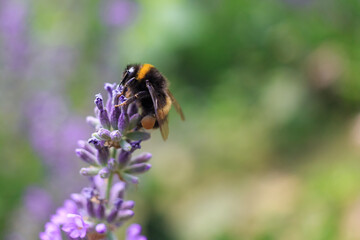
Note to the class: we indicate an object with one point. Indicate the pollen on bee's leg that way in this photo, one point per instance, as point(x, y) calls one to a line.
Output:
point(148, 122)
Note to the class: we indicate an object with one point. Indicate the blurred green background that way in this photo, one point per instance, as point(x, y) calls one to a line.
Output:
point(270, 90)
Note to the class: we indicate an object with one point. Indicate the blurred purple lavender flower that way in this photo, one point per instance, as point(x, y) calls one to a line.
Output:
point(53, 133)
point(52, 232)
point(118, 12)
point(99, 210)
point(13, 16)
point(133, 233)
point(38, 202)
point(50, 124)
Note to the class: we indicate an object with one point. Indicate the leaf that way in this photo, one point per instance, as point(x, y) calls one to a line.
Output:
point(136, 136)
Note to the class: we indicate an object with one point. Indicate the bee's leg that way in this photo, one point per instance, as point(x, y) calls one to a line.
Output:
point(138, 95)
point(125, 86)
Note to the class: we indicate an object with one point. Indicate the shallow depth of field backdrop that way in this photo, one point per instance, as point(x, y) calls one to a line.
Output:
point(271, 90)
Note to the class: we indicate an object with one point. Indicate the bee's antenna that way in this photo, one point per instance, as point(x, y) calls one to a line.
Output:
point(126, 74)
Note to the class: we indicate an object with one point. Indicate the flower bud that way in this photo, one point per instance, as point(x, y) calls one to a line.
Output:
point(115, 136)
point(144, 157)
point(89, 172)
point(132, 109)
point(90, 207)
point(131, 179)
point(125, 145)
point(92, 121)
point(118, 190)
point(96, 135)
point(123, 120)
point(86, 156)
point(78, 199)
point(86, 146)
point(101, 228)
point(104, 134)
point(104, 173)
point(124, 215)
point(112, 216)
point(118, 203)
point(103, 152)
point(128, 205)
point(124, 158)
point(138, 168)
point(111, 164)
point(103, 155)
point(115, 111)
point(99, 101)
point(114, 212)
point(109, 88)
point(103, 115)
point(100, 213)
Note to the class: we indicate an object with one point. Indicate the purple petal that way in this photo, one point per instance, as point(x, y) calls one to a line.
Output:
point(74, 234)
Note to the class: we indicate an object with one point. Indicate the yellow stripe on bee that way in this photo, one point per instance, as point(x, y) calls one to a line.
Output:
point(164, 111)
point(145, 68)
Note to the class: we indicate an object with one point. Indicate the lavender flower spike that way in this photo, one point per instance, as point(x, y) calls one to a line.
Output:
point(122, 137)
point(100, 209)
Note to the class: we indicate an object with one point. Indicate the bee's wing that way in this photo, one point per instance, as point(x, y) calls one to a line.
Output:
point(176, 105)
point(161, 118)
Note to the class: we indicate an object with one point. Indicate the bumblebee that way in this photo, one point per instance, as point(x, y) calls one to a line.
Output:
point(144, 84)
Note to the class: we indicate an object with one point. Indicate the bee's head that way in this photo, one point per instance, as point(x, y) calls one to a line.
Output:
point(130, 72)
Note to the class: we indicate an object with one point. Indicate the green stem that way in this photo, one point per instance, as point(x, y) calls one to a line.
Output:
point(109, 185)
point(110, 179)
